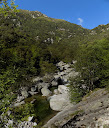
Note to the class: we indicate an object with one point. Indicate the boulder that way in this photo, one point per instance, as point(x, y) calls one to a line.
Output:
point(48, 78)
point(33, 89)
point(18, 104)
point(56, 76)
point(20, 98)
point(24, 93)
point(8, 112)
point(60, 64)
point(45, 91)
point(73, 74)
point(66, 66)
point(62, 89)
point(32, 102)
point(32, 93)
point(42, 85)
point(56, 92)
point(59, 102)
point(74, 61)
point(27, 124)
point(54, 83)
point(61, 73)
point(30, 118)
point(37, 79)
point(10, 122)
point(64, 80)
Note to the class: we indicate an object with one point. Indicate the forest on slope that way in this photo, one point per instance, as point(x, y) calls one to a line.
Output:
point(32, 43)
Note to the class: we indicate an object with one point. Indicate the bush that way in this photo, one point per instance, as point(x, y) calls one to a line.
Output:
point(47, 67)
point(22, 112)
point(76, 90)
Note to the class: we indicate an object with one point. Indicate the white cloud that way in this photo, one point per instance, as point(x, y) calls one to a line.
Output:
point(80, 21)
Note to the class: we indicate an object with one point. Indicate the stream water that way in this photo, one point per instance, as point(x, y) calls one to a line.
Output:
point(42, 109)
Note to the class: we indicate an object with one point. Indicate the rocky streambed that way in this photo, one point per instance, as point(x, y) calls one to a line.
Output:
point(49, 98)
point(48, 95)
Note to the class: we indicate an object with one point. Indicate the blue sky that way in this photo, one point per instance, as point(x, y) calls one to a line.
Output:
point(88, 13)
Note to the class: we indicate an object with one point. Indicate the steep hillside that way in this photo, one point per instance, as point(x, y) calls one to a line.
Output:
point(32, 44)
point(42, 27)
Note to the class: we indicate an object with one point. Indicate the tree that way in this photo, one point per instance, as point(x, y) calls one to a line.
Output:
point(7, 76)
point(7, 10)
point(93, 65)
point(92, 62)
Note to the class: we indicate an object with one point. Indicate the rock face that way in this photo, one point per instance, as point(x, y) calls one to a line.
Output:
point(91, 112)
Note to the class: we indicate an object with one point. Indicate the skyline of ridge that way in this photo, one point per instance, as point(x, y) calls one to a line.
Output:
point(88, 14)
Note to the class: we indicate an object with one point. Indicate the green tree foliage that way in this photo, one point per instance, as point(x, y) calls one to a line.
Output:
point(8, 75)
point(22, 112)
point(7, 10)
point(31, 44)
point(93, 61)
point(76, 90)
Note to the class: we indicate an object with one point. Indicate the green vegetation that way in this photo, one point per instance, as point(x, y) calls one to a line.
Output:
point(31, 44)
point(92, 63)
point(23, 112)
point(40, 110)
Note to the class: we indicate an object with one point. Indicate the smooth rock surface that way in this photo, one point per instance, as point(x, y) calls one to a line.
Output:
point(59, 102)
